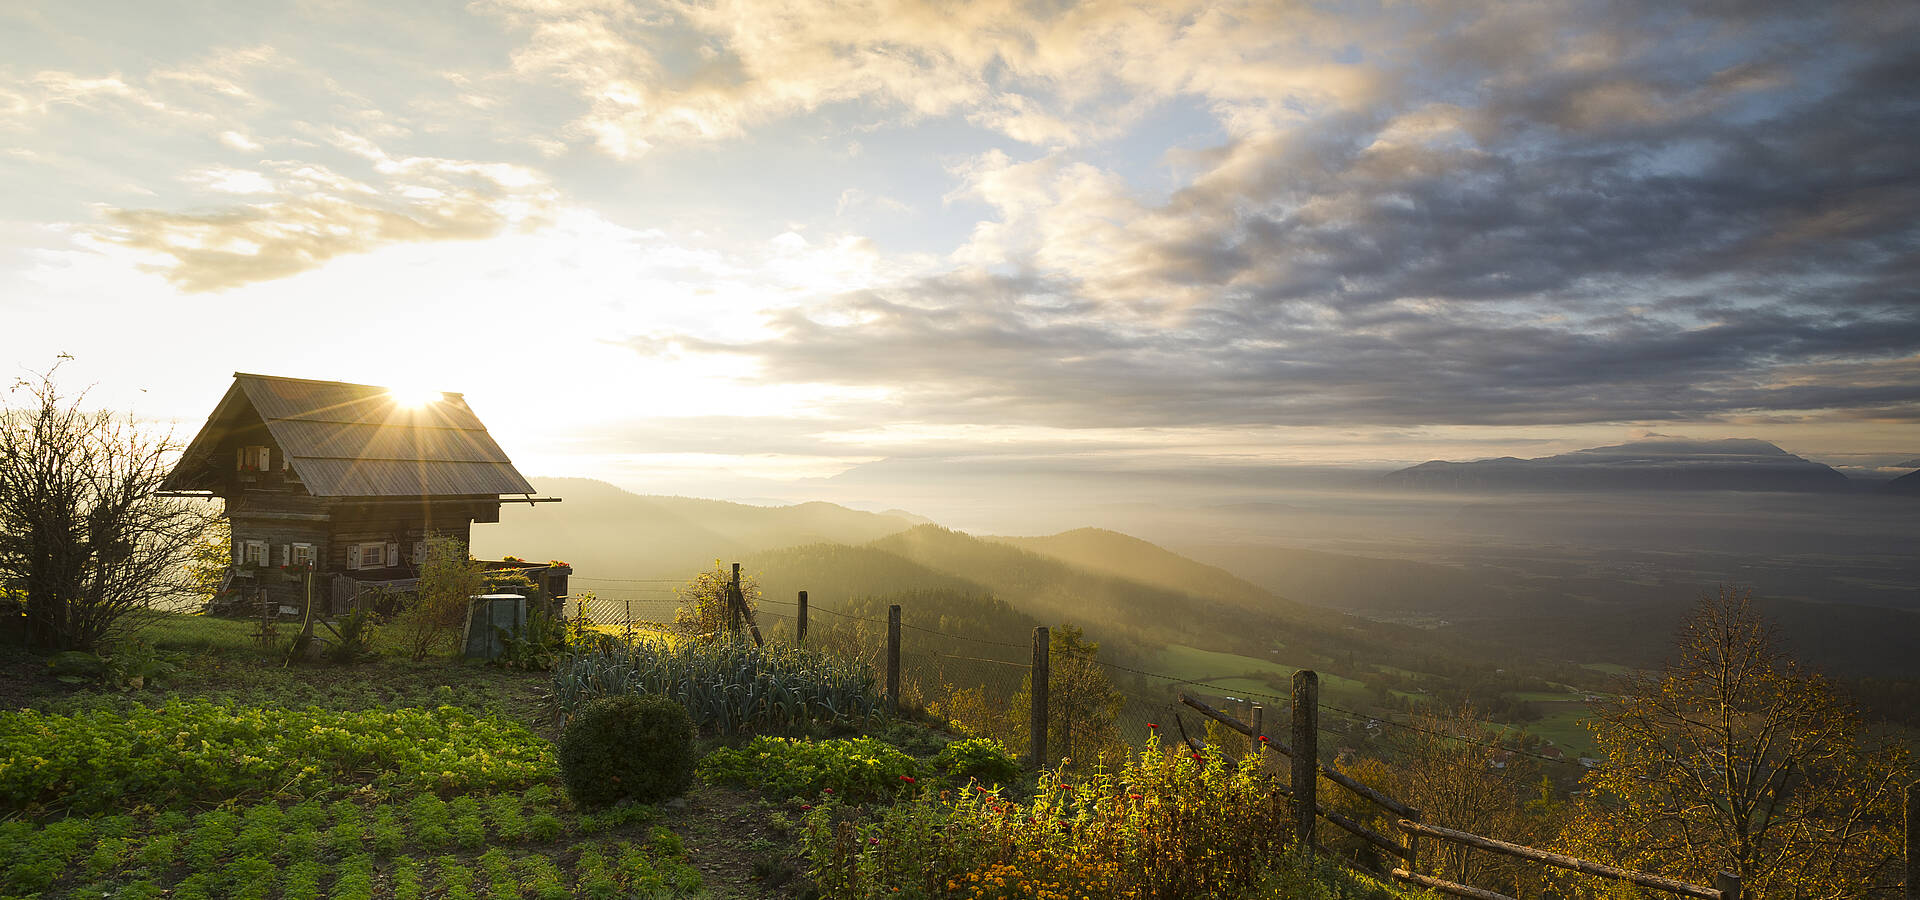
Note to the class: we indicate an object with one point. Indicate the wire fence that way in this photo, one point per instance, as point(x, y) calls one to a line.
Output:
point(984, 683)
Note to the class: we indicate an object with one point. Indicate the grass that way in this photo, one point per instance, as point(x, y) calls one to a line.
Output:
point(1230, 672)
point(196, 633)
point(1565, 725)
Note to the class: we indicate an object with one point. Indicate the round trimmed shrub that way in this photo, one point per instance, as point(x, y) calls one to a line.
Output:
point(627, 747)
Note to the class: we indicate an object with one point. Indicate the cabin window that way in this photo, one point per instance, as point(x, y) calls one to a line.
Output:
point(370, 556)
point(254, 459)
point(302, 555)
point(254, 553)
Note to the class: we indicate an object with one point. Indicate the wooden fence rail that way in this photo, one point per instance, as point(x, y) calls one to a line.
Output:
point(1727, 886)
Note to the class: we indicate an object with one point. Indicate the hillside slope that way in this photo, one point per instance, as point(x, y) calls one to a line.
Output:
point(1113, 553)
point(607, 532)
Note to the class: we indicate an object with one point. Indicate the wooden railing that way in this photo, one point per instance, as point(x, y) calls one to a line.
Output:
point(1307, 769)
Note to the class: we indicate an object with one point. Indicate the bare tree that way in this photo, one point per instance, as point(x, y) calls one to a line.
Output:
point(82, 535)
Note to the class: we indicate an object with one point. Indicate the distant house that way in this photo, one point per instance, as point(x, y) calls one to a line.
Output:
point(346, 481)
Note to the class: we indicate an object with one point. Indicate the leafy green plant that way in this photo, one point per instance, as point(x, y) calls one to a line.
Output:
point(509, 822)
point(542, 879)
point(302, 881)
point(386, 834)
point(498, 868)
point(468, 832)
point(353, 637)
point(353, 878)
point(132, 665)
point(545, 827)
point(981, 759)
point(455, 881)
point(185, 752)
point(407, 884)
point(625, 747)
point(855, 769)
point(729, 687)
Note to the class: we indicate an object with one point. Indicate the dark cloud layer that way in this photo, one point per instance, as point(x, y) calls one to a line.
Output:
point(1711, 216)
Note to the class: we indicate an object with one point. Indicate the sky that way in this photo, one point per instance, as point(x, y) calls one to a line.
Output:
point(733, 247)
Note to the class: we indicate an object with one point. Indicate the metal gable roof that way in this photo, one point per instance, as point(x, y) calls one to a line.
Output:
point(355, 440)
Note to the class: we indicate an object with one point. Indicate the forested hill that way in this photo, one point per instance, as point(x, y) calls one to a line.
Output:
point(1132, 616)
point(608, 532)
point(1100, 550)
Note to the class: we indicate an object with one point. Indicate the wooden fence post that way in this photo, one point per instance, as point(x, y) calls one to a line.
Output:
point(800, 622)
point(1728, 884)
point(1306, 757)
point(735, 600)
point(893, 657)
point(1040, 673)
point(1913, 841)
point(1413, 842)
point(1256, 718)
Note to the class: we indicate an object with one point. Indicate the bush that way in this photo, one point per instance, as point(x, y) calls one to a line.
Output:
point(627, 748)
point(981, 759)
point(1166, 826)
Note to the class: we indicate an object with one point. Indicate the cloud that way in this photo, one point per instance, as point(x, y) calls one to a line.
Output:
point(1579, 217)
point(300, 215)
point(1045, 74)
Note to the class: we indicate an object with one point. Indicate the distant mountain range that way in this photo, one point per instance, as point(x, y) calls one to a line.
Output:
point(1657, 465)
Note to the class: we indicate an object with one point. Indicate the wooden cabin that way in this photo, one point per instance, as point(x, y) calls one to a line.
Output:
point(346, 481)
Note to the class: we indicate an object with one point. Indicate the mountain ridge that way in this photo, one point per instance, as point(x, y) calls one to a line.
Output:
point(1662, 464)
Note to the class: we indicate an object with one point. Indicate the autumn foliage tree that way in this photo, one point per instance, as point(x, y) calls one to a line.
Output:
point(705, 608)
point(1734, 757)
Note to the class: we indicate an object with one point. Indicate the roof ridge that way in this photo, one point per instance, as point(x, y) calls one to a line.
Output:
point(376, 387)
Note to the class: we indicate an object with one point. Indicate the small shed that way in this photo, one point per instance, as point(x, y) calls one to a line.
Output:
point(346, 482)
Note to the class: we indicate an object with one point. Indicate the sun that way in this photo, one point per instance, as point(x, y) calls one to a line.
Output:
point(414, 396)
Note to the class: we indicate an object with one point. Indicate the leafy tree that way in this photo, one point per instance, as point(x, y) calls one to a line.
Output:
point(1081, 700)
point(705, 609)
point(1452, 765)
point(83, 538)
point(1734, 757)
point(211, 556)
point(442, 600)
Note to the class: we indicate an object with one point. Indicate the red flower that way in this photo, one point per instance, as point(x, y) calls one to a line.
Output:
point(1152, 725)
point(1263, 739)
point(826, 790)
point(1133, 796)
point(805, 806)
point(907, 778)
point(873, 840)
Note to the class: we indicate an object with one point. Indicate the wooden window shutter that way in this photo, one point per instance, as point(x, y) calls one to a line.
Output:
point(393, 554)
point(286, 554)
point(266, 459)
point(419, 553)
point(239, 459)
point(239, 552)
point(353, 556)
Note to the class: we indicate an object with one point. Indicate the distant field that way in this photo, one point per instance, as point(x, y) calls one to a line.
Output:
point(1228, 671)
point(1610, 668)
point(1565, 725)
point(1547, 696)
